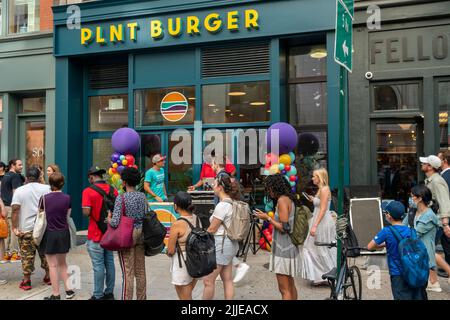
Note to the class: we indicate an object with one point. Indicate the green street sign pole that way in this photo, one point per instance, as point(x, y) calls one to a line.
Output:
point(343, 56)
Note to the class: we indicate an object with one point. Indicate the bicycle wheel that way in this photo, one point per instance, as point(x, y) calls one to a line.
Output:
point(353, 284)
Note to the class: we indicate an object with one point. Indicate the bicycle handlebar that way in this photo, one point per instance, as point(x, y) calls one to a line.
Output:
point(334, 244)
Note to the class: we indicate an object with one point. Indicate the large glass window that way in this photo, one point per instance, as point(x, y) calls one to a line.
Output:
point(24, 16)
point(444, 106)
point(397, 160)
point(396, 96)
point(308, 111)
point(179, 163)
point(165, 106)
point(108, 113)
point(150, 146)
point(101, 153)
point(236, 102)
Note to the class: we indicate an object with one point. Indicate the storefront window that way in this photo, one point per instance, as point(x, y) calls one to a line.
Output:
point(397, 160)
point(101, 153)
point(308, 103)
point(24, 16)
point(165, 106)
point(396, 96)
point(308, 110)
point(151, 145)
point(308, 61)
point(179, 164)
point(236, 102)
point(444, 107)
point(33, 105)
point(108, 113)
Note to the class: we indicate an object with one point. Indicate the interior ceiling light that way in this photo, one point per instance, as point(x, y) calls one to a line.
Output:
point(405, 126)
point(236, 93)
point(318, 53)
point(191, 98)
point(211, 105)
point(227, 110)
point(241, 115)
point(258, 103)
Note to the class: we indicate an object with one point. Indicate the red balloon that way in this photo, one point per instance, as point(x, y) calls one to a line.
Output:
point(293, 178)
point(134, 166)
point(130, 159)
point(287, 168)
point(114, 170)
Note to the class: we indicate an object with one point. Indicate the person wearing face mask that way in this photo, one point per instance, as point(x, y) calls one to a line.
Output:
point(133, 204)
point(426, 223)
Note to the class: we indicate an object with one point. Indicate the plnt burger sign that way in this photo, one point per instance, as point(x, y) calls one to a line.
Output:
point(173, 27)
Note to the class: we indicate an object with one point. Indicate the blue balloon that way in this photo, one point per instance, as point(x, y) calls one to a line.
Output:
point(115, 156)
point(120, 169)
point(281, 166)
point(292, 155)
point(292, 184)
point(292, 172)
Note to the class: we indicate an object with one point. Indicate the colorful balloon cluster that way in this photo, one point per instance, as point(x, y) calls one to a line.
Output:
point(267, 232)
point(118, 163)
point(125, 142)
point(284, 163)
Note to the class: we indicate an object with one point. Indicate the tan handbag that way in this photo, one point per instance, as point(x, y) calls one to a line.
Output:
point(40, 224)
point(3, 228)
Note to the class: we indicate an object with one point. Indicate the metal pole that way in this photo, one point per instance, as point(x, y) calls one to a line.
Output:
point(341, 167)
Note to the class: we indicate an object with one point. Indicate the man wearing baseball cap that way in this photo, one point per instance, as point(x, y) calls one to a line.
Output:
point(102, 260)
point(394, 212)
point(440, 193)
point(154, 183)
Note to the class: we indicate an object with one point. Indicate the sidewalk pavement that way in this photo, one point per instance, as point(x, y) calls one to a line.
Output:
point(259, 283)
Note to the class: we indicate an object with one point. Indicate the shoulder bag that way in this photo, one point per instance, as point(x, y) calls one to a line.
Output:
point(40, 224)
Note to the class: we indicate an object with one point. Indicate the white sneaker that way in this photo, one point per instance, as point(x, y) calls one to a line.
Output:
point(241, 271)
point(435, 287)
point(2, 282)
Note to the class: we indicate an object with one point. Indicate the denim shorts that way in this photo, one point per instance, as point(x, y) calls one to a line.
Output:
point(225, 250)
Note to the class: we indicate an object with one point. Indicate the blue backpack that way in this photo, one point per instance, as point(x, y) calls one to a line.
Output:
point(413, 258)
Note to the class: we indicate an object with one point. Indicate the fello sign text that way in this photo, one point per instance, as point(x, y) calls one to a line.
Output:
point(174, 27)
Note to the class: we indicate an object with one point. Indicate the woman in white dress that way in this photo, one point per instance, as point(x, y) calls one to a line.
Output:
point(316, 260)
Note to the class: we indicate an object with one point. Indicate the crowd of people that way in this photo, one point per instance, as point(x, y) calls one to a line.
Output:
point(23, 198)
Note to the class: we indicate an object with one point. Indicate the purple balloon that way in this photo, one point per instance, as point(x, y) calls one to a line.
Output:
point(287, 137)
point(283, 172)
point(126, 141)
point(120, 169)
point(115, 156)
point(294, 189)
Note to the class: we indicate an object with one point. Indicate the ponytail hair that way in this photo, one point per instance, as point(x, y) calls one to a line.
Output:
point(231, 188)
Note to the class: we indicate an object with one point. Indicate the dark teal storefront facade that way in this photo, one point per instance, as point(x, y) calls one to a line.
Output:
point(126, 53)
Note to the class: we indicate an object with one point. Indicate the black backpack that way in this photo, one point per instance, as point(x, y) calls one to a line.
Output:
point(107, 206)
point(154, 234)
point(200, 251)
point(351, 241)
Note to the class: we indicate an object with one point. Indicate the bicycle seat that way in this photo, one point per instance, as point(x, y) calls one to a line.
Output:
point(331, 275)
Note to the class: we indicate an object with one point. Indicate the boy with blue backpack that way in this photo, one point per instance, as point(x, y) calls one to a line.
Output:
point(407, 255)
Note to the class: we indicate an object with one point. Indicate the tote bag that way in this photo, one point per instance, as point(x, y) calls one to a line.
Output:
point(120, 238)
point(40, 224)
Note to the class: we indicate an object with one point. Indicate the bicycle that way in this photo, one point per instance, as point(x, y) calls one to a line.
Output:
point(347, 285)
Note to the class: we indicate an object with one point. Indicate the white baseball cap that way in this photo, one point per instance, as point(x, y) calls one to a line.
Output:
point(157, 158)
point(432, 160)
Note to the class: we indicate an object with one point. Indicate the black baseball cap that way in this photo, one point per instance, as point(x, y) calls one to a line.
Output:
point(95, 170)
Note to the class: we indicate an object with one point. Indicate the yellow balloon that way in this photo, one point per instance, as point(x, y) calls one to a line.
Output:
point(285, 159)
point(270, 214)
point(124, 162)
point(115, 165)
point(110, 172)
point(274, 169)
point(115, 178)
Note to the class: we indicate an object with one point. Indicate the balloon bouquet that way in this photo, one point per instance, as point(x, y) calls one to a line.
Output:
point(279, 163)
point(126, 143)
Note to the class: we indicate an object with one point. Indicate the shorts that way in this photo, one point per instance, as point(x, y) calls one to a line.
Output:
point(180, 276)
point(225, 251)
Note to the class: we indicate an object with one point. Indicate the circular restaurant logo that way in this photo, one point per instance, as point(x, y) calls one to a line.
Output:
point(174, 106)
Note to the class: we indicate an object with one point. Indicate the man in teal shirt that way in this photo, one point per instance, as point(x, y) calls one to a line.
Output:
point(154, 180)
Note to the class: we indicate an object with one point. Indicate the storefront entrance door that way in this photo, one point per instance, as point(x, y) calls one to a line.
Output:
point(32, 142)
point(398, 146)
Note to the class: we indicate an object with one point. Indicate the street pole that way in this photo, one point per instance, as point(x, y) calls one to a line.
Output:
point(342, 108)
